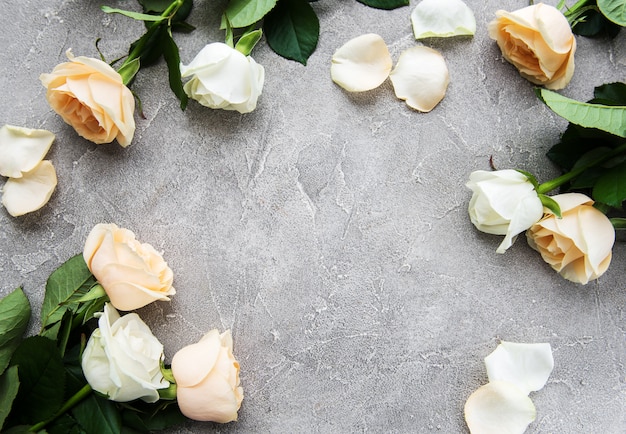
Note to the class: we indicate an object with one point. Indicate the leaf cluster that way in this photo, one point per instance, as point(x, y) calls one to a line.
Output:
point(592, 150)
point(291, 27)
point(161, 18)
point(42, 386)
point(596, 17)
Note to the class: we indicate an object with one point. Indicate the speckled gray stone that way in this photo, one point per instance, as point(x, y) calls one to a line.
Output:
point(327, 230)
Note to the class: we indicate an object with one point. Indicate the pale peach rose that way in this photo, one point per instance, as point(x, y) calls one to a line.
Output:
point(207, 379)
point(539, 42)
point(579, 244)
point(132, 274)
point(90, 96)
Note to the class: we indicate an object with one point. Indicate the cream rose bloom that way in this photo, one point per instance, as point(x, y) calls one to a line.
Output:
point(578, 245)
point(132, 274)
point(90, 96)
point(504, 203)
point(122, 358)
point(224, 78)
point(207, 379)
point(539, 42)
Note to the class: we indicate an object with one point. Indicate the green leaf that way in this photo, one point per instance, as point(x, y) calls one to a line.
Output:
point(9, 387)
point(149, 418)
point(551, 204)
point(42, 379)
point(64, 424)
point(172, 58)
point(577, 141)
point(610, 188)
point(95, 292)
point(530, 176)
point(618, 222)
point(14, 317)
point(65, 286)
point(148, 46)
point(97, 415)
point(611, 119)
point(292, 29)
point(243, 13)
point(248, 40)
point(614, 10)
point(611, 93)
point(86, 311)
point(128, 70)
point(133, 15)
point(159, 6)
point(385, 4)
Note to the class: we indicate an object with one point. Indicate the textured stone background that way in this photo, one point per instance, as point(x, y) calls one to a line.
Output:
point(328, 230)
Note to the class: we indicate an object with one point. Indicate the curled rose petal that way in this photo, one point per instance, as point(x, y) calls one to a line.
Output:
point(21, 149)
point(361, 64)
point(420, 78)
point(442, 18)
point(528, 366)
point(499, 407)
point(30, 192)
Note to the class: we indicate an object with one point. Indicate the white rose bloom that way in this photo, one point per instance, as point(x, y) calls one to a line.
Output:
point(122, 358)
point(504, 203)
point(224, 78)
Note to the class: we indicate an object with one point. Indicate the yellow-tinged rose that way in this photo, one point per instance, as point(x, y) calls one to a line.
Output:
point(91, 96)
point(207, 379)
point(539, 42)
point(132, 274)
point(579, 244)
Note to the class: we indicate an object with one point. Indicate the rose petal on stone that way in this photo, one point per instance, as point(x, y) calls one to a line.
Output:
point(361, 64)
point(30, 192)
point(420, 78)
point(442, 18)
point(21, 149)
point(499, 407)
point(528, 366)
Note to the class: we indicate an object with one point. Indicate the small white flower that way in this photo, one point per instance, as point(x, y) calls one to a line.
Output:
point(363, 63)
point(31, 191)
point(224, 78)
point(442, 18)
point(420, 78)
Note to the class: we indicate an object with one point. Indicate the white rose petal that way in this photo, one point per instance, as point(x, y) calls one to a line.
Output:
point(528, 366)
point(499, 407)
point(31, 191)
point(421, 78)
point(21, 149)
point(361, 64)
point(442, 18)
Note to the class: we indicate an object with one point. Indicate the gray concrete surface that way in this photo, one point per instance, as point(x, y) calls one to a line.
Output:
point(328, 230)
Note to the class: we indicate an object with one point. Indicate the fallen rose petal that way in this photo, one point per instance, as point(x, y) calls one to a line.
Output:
point(528, 366)
point(499, 407)
point(21, 149)
point(361, 64)
point(420, 78)
point(442, 18)
point(31, 191)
